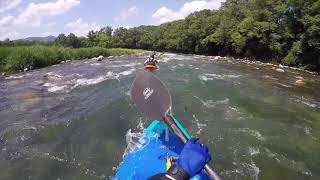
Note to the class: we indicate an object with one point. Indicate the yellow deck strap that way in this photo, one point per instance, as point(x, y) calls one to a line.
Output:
point(169, 162)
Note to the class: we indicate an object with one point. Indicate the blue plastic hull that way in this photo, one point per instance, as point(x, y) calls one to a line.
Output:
point(151, 158)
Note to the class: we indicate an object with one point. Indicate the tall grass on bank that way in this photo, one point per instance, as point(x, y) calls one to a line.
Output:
point(13, 59)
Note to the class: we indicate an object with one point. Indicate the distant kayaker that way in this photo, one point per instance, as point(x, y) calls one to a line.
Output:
point(151, 60)
point(192, 159)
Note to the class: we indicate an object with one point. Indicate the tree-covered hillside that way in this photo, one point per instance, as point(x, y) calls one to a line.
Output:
point(280, 31)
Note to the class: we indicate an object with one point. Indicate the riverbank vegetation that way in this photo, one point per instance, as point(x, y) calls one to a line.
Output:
point(17, 58)
point(286, 32)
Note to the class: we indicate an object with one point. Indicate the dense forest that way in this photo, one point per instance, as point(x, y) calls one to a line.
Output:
point(280, 31)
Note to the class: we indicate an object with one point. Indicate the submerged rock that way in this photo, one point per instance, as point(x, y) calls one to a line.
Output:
point(216, 58)
point(280, 70)
point(300, 82)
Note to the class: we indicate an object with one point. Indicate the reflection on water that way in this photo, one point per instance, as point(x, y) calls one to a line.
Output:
point(76, 120)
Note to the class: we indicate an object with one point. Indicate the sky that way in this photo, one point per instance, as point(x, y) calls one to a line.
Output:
point(38, 18)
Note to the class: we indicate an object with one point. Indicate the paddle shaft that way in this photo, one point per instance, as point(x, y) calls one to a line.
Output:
point(170, 122)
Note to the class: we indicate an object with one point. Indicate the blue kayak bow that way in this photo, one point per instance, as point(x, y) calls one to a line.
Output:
point(153, 99)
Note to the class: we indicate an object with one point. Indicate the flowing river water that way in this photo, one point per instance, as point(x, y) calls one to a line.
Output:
point(76, 120)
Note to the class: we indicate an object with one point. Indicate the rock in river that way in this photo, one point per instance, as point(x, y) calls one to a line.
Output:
point(280, 70)
point(300, 82)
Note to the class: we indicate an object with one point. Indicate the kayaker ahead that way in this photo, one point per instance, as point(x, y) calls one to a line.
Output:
point(151, 60)
point(192, 159)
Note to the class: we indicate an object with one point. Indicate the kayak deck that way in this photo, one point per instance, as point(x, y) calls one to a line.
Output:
point(150, 159)
point(150, 67)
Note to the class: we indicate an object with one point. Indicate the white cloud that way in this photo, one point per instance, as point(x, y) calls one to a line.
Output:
point(6, 5)
point(5, 21)
point(50, 24)
point(165, 14)
point(31, 16)
point(126, 14)
point(46, 34)
point(12, 35)
point(81, 28)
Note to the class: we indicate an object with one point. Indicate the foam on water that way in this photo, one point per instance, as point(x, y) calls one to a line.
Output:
point(269, 77)
point(288, 163)
point(60, 83)
point(243, 169)
point(53, 75)
point(200, 126)
point(307, 102)
point(254, 169)
point(84, 81)
point(222, 76)
point(99, 79)
point(252, 132)
point(206, 77)
point(30, 128)
point(135, 140)
point(128, 93)
point(48, 84)
point(125, 65)
point(52, 87)
point(170, 56)
point(77, 74)
point(284, 85)
point(253, 151)
point(33, 153)
point(127, 72)
point(307, 131)
point(167, 57)
point(14, 77)
point(95, 64)
point(57, 88)
point(212, 103)
point(231, 113)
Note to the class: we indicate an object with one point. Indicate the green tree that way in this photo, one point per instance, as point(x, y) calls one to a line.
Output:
point(106, 30)
point(103, 40)
point(72, 41)
point(61, 39)
point(92, 35)
point(84, 42)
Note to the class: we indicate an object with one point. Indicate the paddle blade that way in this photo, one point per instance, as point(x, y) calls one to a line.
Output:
point(150, 95)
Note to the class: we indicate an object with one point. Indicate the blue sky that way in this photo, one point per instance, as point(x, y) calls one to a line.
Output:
point(25, 18)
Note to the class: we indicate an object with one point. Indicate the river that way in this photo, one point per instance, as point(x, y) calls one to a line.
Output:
point(73, 120)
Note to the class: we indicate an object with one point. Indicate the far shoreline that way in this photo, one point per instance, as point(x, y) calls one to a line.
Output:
point(25, 58)
point(120, 52)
